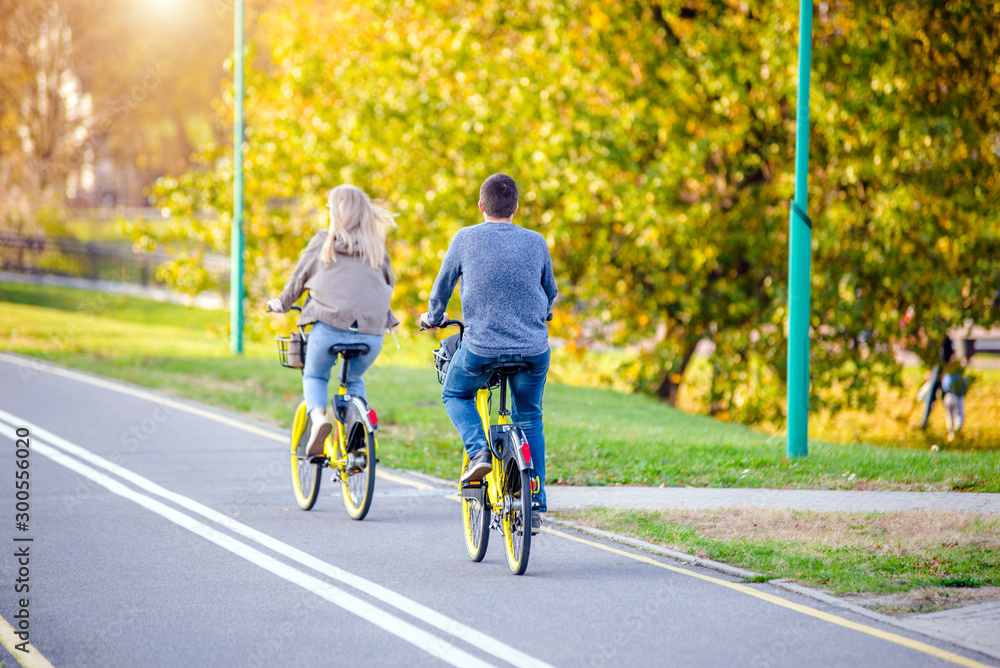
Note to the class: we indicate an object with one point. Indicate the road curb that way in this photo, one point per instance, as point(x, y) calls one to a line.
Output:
point(787, 585)
point(657, 549)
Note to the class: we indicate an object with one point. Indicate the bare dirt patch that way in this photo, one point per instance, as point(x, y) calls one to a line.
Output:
point(928, 560)
point(898, 533)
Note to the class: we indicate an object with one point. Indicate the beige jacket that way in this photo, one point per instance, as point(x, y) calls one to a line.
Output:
point(342, 294)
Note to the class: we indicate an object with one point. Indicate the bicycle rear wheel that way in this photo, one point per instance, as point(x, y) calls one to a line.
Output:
point(516, 518)
point(476, 522)
point(358, 473)
point(306, 476)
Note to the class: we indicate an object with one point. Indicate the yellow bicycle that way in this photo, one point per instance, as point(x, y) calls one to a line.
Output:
point(350, 450)
point(502, 500)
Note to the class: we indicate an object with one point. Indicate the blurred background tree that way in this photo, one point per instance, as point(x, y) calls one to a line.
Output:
point(99, 98)
point(653, 144)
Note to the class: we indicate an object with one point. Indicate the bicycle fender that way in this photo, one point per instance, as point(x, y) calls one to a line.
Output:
point(358, 410)
point(514, 439)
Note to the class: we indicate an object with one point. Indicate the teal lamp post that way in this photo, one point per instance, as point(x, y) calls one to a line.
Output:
point(800, 252)
point(236, 244)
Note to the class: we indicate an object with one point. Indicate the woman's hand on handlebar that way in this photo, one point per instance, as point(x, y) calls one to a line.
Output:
point(274, 306)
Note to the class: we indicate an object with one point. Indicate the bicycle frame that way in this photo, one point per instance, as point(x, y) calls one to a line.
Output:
point(505, 503)
point(345, 411)
point(497, 432)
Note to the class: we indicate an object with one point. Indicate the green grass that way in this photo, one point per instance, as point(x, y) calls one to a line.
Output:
point(113, 307)
point(898, 559)
point(593, 436)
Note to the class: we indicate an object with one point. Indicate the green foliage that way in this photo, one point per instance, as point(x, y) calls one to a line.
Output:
point(653, 144)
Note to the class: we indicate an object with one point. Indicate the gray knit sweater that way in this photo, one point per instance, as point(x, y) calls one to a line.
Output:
point(507, 288)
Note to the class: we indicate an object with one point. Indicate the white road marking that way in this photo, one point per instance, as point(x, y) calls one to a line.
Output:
point(428, 642)
point(431, 617)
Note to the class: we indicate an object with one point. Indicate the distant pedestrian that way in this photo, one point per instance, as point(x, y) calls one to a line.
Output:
point(954, 386)
point(945, 353)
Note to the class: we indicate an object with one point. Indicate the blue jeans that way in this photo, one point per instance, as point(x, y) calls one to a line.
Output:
point(931, 395)
point(466, 376)
point(319, 363)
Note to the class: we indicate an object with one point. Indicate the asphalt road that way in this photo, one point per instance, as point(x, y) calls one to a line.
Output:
point(165, 534)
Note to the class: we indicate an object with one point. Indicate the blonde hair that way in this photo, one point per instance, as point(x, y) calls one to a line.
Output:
point(358, 223)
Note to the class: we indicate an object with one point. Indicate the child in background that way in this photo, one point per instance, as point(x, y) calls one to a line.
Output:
point(954, 386)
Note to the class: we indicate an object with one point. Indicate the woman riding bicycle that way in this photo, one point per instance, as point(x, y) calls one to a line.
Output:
point(349, 278)
point(507, 293)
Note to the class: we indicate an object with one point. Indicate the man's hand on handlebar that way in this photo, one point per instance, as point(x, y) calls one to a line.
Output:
point(424, 324)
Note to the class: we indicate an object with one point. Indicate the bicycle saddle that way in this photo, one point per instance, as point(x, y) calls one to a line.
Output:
point(349, 350)
point(507, 368)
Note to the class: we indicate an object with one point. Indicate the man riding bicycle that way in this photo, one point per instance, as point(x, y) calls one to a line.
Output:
point(507, 293)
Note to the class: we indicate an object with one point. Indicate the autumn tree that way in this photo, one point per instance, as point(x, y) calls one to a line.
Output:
point(654, 144)
point(45, 115)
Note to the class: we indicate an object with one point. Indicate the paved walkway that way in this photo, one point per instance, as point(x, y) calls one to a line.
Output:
point(561, 497)
point(978, 623)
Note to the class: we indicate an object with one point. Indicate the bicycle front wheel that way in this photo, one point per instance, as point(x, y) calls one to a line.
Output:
point(357, 475)
point(476, 522)
point(306, 476)
point(516, 518)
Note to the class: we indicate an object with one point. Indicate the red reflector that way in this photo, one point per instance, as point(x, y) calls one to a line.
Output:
point(526, 451)
point(372, 417)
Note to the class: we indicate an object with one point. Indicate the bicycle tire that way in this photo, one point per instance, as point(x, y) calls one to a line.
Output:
point(306, 476)
point(358, 482)
point(516, 517)
point(476, 523)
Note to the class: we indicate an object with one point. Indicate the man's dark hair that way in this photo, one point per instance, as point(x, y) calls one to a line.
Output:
point(499, 196)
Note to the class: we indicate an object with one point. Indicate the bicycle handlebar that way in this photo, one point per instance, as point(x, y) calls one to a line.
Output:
point(290, 308)
point(447, 323)
point(461, 325)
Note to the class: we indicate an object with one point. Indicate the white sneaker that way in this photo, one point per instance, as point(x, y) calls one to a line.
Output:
point(321, 428)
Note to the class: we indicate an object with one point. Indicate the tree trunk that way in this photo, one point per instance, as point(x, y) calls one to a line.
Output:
point(669, 390)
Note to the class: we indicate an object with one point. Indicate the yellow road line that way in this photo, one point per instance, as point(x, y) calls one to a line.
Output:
point(777, 600)
point(379, 473)
point(9, 639)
